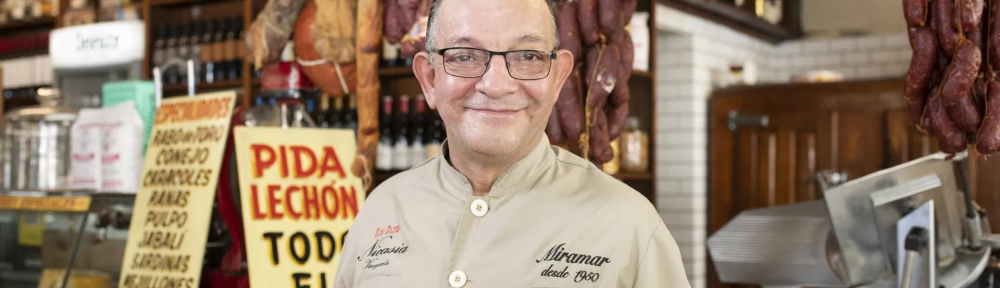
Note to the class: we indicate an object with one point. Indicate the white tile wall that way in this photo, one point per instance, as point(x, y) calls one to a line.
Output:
point(689, 50)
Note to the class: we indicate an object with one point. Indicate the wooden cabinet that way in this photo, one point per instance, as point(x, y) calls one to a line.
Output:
point(851, 127)
point(746, 16)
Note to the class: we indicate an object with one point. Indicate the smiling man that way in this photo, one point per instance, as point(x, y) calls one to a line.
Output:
point(500, 207)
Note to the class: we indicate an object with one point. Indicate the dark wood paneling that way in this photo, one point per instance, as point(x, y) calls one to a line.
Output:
point(785, 173)
point(746, 176)
point(764, 195)
point(806, 168)
point(859, 139)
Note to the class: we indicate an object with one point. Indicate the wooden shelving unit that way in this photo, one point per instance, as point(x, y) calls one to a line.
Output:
point(181, 88)
point(626, 176)
point(46, 22)
point(642, 74)
point(186, 11)
point(395, 71)
point(160, 3)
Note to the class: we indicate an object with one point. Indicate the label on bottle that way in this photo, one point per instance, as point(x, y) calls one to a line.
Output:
point(401, 155)
point(206, 53)
point(230, 50)
point(432, 149)
point(418, 154)
point(241, 49)
point(383, 156)
point(36, 9)
point(389, 52)
point(218, 51)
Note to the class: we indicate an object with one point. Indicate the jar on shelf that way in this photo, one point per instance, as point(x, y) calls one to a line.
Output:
point(634, 148)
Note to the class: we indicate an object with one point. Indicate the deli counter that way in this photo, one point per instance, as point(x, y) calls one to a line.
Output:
point(44, 234)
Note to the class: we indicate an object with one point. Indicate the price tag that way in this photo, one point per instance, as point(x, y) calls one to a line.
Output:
point(45, 204)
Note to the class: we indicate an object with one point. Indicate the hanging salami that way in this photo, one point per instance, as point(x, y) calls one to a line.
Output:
point(593, 104)
point(950, 89)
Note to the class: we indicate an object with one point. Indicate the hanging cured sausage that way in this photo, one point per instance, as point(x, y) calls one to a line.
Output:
point(951, 86)
point(593, 105)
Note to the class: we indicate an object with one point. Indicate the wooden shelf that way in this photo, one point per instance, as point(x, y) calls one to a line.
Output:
point(643, 74)
point(160, 3)
point(182, 88)
point(381, 176)
point(395, 71)
point(634, 176)
point(42, 22)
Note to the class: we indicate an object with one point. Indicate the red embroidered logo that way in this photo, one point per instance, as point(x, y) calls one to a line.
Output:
point(388, 230)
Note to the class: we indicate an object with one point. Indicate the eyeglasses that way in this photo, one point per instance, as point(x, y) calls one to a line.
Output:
point(473, 63)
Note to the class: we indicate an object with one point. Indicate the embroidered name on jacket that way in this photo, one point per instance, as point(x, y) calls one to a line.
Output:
point(558, 254)
point(378, 249)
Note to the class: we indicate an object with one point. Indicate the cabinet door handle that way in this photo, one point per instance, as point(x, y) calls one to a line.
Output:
point(735, 120)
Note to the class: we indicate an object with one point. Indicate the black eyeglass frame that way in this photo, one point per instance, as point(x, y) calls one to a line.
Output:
point(441, 52)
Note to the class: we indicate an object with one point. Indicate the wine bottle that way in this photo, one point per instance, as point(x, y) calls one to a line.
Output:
point(183, 51)
point(241, 48)
point(234, 63)
point(418, 151)
point(351, 120)
point(160, 46)
point(384, 152)
point(389, 54)
point(437, 135)
point(401, 148)
point(219, 50)
point(207, 52)
point(194, 50)
point(320, 115)
point(333, 115)
point(170, 75)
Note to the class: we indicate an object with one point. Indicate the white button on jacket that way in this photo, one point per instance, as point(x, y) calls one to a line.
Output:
point(457, 279)
point(479, 208)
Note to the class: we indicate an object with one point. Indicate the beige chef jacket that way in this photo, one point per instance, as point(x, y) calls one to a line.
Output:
point(551, 220)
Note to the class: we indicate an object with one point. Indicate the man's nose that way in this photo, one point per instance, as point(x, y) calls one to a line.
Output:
point(497, 81)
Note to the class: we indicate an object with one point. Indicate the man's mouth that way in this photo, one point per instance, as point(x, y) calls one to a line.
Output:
point(494, 111)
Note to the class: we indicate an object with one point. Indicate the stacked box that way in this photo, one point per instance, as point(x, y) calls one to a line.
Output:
point(143, 93)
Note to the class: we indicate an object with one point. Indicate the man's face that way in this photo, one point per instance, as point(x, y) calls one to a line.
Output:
point(494, 114)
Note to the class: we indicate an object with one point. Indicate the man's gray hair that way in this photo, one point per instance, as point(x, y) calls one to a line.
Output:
point(436, 4)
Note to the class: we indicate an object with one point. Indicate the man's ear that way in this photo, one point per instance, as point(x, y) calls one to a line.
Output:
point(562, 67)
point(424, 70)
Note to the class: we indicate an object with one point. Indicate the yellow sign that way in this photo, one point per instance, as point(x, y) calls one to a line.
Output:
point(166, 243)
point(299, 199)
point(45, 204)
point(30, 228)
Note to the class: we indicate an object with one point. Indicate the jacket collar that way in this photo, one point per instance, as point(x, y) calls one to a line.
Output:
point(515, 178)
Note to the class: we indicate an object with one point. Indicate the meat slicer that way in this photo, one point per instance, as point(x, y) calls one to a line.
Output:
point(906, 226)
